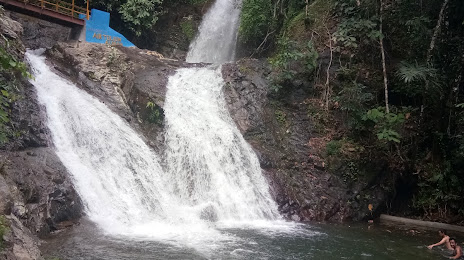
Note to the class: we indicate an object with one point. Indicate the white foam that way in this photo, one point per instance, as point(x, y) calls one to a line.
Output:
point(217, 34)
point(118, 177)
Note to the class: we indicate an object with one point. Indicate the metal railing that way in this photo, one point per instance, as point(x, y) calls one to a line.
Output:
point(62, 7)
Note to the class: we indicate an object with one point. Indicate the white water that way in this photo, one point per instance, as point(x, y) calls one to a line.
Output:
point(212, 178)
point(217, 35)
point(117, 175)
point(207, 155)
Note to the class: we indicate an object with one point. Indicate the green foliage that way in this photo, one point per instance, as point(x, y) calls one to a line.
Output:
point(10, 64)
point(414, 77)
point(281, 116)
point(310, 57)
point(155, 114)
point(318, 117)
point(333, 147)
point(424, 70)
point(385, 123)
point(256, 20)
point(351, 31)
point(112, 57)
point(358, 26)
point(3, 229)
point(352, 173)
point(11, 69)
point(287, 59)
point(439, 189)
point(190, 2)
point(414, 72)
point(140, 14)
point(188, 27)
point(418, 29)
point(353, 99)
point(137, 15)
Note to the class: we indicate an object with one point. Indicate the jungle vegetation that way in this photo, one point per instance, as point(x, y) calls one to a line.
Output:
point(387, 78)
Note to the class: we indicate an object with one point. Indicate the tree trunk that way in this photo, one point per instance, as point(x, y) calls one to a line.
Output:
point(384, 65)
point(327, 80)
point(436, 31)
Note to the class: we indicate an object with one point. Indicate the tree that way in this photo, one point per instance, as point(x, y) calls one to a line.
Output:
point(137, 15)
point(384, 66)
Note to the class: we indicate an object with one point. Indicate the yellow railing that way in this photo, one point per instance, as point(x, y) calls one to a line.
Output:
point(62, 7)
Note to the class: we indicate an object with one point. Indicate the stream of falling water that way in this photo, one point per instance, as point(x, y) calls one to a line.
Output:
point(212, 179)
point(209, 158)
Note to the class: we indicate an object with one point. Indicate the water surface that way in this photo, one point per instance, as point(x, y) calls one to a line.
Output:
point(315, 241)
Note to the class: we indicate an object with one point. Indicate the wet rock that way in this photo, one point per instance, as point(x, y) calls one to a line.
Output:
point(19, 209)
point(295, 218)
point(319, 165)
point(209, 214)
point(38, 33)
point(20, 243)
point(6, 200)
point(29, 168)
point(42, 192)
point(174, 31)
point(10, 28)
point(279, 131)
point(125, 79)
point(284, 208)
point(29, 116)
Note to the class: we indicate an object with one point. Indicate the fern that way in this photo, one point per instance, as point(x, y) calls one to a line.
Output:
point(415, 72)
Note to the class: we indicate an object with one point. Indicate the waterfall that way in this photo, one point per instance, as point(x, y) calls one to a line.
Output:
point(207, 155)
point(217, 34)
point(212, 178)
point(211, 161)
point(118, 177)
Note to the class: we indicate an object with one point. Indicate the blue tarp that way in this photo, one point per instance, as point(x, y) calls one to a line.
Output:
point(97, 29)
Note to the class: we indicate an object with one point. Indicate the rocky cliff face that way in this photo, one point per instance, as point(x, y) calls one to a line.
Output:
point(290, 151)
point(38, 33)
point(281, 135)
point(36, 194)
point(132, 82)
point(174, 31)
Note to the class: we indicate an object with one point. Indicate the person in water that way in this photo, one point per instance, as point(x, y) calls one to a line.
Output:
point(444, 240)
point(457, 249)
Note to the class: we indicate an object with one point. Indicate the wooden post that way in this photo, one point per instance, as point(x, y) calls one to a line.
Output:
point(72, 9)
point(88, 13)
point(42, 3)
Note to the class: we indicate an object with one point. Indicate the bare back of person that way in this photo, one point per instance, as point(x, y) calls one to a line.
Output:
point(458, 252)
point(444, 241)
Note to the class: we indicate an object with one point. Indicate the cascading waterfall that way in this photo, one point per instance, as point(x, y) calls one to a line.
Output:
point(206, 153)
point(217, 37)
point(212, 176)
point(117, 175)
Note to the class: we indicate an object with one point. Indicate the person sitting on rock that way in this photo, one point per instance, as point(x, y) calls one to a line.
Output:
point(457, 249)
point(445, 240)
